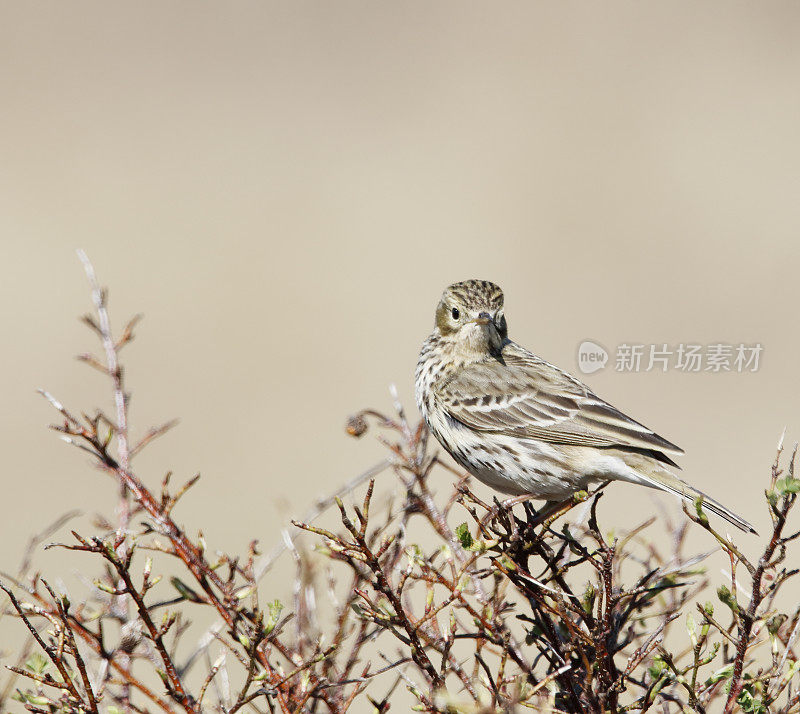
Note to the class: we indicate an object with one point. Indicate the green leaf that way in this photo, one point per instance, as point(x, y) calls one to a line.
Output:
point(464, 536)
point(749, 703)
point(788, 485)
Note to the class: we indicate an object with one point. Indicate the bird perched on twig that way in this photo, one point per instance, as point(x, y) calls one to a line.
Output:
point(522, 425)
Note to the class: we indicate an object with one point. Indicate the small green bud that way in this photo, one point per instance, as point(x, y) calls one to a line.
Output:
point(691, 628)
point(725, 596)
point(774, 623)
point(36, 663)
point(105, 587)
point(506, 563)
point(39, 701)
point(275, 609)
point(725, 672)
point(698, 507)
point(658, 666)
point(588, 599)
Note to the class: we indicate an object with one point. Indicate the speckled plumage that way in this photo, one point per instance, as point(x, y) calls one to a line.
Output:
point(522, 425)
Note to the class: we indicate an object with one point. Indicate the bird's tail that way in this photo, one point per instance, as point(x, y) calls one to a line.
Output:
point(667, 481)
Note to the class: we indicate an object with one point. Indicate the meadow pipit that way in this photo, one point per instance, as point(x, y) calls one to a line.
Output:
point(522, 425)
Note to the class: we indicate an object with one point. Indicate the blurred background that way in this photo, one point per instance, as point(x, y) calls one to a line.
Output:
point(285, 188)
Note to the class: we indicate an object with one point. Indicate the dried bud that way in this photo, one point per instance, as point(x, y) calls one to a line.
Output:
point(356, 425)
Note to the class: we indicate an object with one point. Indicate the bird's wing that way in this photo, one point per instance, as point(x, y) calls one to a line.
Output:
point(522, 395)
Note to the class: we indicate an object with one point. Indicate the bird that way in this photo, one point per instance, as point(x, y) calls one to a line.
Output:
point(523, 426)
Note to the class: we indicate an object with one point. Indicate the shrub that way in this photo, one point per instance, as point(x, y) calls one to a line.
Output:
point(499, 612)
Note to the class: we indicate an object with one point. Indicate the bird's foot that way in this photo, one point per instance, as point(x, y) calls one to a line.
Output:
point(546, 514)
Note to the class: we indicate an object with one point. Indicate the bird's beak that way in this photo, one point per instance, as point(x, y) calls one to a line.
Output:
point(483, 319)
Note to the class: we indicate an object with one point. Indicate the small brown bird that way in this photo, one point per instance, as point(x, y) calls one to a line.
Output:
point(522, 425)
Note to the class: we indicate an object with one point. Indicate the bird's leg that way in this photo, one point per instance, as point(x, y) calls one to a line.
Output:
point(508, 504)
point(502, 509)
point(534, 517)
point(511, 502)
point(549, 512)
point(545, 516)
point(553, 510)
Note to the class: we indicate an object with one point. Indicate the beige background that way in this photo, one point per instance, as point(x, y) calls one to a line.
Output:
point(283, 189)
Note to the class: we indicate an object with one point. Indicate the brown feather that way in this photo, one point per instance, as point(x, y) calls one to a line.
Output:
point(516, 393)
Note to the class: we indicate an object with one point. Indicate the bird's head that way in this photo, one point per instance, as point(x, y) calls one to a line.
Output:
point(470, 315)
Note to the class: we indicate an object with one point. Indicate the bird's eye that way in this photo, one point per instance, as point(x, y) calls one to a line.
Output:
point(455, 313)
